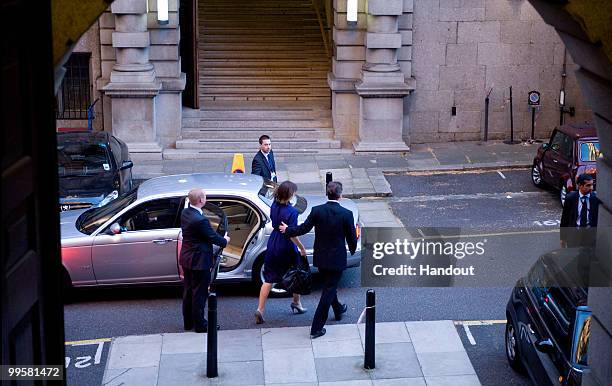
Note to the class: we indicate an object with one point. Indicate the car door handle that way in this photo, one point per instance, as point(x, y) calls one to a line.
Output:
point(162, 241)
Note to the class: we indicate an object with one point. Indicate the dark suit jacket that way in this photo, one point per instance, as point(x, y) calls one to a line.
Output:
point(570, 213)
point(198, 240)
point(333, 225)
point(260, 165)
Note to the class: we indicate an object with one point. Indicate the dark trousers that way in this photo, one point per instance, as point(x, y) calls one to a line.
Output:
point(195, 293)
point(329, 297)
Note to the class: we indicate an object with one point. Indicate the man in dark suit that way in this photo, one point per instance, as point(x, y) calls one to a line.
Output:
point(579, 214)
point(196, 259)
point(263, 162)
point(333, 226)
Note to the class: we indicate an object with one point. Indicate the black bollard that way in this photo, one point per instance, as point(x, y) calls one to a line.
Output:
point(211, 344)
point(328, 178)
point(533, 124)
point(511, 141)
point(369, 362)
point(486, 119)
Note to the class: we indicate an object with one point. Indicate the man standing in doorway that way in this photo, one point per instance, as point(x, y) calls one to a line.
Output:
point(579, 214)
point(263, 162)
point(334, 225)
point(196, 259)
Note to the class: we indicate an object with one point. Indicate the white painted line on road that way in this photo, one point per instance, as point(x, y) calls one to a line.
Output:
point(501, 174)
point(98, 355)
point(475, 196)
point(466, 328)
point(480, 322)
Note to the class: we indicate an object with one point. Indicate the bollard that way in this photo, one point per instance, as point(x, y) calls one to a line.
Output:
point(328, 178)
point(369, 362)
point(486, 119)
point(211, 345)
point(511, 141)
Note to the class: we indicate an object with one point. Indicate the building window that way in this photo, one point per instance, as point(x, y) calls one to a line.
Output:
point(74, 95)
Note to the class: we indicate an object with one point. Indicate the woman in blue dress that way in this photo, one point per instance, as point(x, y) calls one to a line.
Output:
point(282, 251)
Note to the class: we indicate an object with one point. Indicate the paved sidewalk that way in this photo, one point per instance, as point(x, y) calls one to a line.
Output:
point(407, 353)
point(361, 175)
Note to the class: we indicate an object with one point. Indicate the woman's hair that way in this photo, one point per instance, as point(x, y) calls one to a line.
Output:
point(285, 191)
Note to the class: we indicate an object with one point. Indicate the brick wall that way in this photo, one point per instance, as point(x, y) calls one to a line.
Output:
point(463, 48)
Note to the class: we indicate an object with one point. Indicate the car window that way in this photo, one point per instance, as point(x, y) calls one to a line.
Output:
point(82, 159)
point(214, 214)
point(562, 144)
point(266, 193)
point(116, 149)
point(581, 338)
point(589, 151)
point(155, 214)
point(91, 220)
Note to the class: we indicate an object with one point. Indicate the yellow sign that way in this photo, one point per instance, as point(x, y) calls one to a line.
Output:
point(238, 163)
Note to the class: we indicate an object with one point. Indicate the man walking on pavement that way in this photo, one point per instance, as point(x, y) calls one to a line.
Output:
point(263, 162)
point(580, 213)
point(333, 226)
point(196, 259)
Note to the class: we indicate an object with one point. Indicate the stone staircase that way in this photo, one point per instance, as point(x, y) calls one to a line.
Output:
point(263, 70)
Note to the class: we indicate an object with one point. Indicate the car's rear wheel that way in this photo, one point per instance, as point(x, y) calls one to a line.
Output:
point(512, 350)
point(536, 176)
point(258, 280)
point(563, 193)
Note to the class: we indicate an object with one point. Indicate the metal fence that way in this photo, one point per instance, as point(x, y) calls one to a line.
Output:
point(74, 96)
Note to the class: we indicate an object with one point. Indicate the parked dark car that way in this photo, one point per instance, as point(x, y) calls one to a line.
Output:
point(548, 323)
point(93, 168)
point(572, 150)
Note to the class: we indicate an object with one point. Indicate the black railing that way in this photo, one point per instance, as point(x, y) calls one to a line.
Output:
point(74, 96)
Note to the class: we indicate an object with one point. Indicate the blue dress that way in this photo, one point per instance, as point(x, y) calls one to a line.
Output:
point(281, 252)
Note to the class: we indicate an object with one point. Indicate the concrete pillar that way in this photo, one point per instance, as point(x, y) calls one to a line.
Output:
point(133, 86)
point(383, 85)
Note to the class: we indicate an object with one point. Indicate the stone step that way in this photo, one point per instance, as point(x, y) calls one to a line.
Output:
point(239, 145)
point(240, 30)
point(317, 64)
point(257, 114)
point(311, 47)
point(192, 154)
point(264, 72)
point(252, 135)
point(264, 98)
point(267, 81)
point(263, 39)
point(260, 106)
point(255, 122)
point(261, 54)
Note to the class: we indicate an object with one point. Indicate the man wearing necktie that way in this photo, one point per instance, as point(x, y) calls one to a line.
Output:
point(263, 162)
point(580, 214)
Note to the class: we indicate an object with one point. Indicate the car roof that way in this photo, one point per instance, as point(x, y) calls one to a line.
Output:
point(579, 130)
point(83, 136)
point(181, 184)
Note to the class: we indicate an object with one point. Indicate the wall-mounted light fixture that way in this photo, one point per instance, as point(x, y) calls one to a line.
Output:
point(351, 11)
point(162, 11)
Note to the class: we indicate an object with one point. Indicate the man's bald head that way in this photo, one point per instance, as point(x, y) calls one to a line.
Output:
point(197, 197)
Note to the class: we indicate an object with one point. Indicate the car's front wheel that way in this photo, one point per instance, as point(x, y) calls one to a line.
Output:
point(512, 350)
point(536, 176)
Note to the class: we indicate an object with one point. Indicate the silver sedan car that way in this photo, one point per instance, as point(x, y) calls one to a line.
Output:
point(136, 238)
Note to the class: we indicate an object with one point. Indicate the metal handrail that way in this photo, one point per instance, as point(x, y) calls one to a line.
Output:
point(324, 29)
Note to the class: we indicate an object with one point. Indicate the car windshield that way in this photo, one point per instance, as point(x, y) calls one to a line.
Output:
point(589, 151)
point(82, 159)
point(266, 193)
point(91, 220)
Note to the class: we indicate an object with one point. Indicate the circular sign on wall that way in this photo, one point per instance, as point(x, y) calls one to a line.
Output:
point(534, 98)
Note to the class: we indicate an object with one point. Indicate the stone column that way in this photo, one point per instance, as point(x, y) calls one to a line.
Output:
point(382, 87)
point(133, 86)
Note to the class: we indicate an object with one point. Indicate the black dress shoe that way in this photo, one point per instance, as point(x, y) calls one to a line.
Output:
point(187, 327)
point(318, 334)
point(201, 330)
point(343, 310)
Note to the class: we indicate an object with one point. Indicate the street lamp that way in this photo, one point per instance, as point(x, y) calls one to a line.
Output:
point(351, 12)
point(162, 11)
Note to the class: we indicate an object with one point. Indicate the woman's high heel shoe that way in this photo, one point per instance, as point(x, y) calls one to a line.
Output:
point(258, 317)
point(297, 308)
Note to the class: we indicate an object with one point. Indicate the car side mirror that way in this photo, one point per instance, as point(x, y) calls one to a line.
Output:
point(127, 165)
point(545, 345)
point(115, 229)
point(544, 146)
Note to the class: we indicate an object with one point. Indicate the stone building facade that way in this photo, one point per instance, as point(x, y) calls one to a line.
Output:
point(408, 71)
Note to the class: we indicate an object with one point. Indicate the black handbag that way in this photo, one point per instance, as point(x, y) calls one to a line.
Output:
point(298, 279)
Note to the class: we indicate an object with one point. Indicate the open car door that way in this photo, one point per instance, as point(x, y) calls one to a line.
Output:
point(218, 221)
